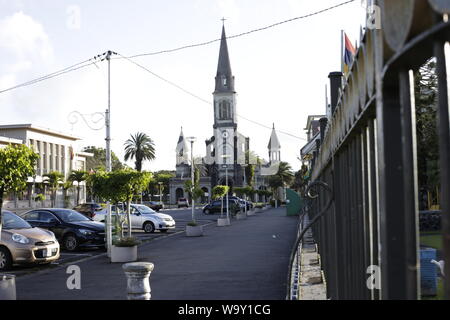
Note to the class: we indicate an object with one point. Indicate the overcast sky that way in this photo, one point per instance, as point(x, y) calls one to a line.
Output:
point(280, 73)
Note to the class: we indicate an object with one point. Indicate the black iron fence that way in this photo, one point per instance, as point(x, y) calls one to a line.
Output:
point(369, 236)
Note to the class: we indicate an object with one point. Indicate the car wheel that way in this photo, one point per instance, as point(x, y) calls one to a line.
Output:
point(207, 211)
point(70, 242)
point(148, 227)
point(5, 259)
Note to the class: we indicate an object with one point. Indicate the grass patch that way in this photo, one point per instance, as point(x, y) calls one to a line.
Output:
point(431, 239)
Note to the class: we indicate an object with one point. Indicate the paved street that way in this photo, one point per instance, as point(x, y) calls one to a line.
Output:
point(181, 216)
point(247, 260)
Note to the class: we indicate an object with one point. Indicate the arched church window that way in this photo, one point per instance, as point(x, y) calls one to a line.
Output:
point(225, 110)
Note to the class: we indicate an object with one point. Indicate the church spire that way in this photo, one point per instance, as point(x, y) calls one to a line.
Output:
point(274, 146)
point(224, 76)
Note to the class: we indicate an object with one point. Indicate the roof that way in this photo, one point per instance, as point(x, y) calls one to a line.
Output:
point(224, 67)
point(10, 140)
point(274, 143)
point(31, 127)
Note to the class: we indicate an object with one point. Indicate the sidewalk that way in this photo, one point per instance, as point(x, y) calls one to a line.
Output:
point(247, 260)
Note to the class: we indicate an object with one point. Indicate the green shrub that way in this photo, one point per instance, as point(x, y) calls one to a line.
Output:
point(192, 224)
point(126, 242)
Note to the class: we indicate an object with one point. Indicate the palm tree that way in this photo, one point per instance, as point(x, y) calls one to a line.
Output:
point(54, 178)
point(78, 176)
point(285, 173)
point(140, 147)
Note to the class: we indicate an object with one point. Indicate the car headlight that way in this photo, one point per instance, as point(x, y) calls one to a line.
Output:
point(86, 232)
point(20, 238)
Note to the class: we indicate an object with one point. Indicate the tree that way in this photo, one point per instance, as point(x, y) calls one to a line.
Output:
point(120, 186)
point(54, 179)
point(426, 130)
point(78, 176)
point(139, 147)
point(98, 161)
point(218, 192)
point(16, 165)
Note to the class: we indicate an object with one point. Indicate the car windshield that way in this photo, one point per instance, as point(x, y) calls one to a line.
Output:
point(12, 221)
point(70, 215)
point(144, 209)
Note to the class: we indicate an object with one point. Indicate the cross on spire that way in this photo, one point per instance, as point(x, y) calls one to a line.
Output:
point(223, 20)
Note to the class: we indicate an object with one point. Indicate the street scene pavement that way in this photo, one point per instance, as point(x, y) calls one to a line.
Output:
point(247, 260)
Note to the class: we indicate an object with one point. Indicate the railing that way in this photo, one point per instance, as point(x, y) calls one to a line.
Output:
point(368, 240)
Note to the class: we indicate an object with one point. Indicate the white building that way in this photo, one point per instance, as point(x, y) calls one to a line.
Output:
point(57, 152)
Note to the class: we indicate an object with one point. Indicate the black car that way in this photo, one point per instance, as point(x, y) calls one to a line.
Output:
point(72, 229)
point(215, 206)
point(88, 209)
point(154, 205)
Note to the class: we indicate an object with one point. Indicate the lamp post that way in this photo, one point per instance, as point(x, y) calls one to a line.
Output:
point(226, 156)
point(192, 140)
point(160, 192)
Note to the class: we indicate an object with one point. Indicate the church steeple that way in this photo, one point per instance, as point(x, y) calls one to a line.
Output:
point(224, 76)
point(182, 149)
point(274, 146)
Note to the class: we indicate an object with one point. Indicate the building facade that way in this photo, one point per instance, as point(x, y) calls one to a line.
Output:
point(57, 152)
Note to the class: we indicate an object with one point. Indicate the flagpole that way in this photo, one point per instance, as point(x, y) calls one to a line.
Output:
point(342, 51)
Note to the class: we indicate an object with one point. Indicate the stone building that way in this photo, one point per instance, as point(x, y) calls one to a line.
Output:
point(227, 151)
point(57, 152)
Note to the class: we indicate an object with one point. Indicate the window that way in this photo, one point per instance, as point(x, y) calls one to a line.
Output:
point(224, 81)
point(46, 216)
point(32, 216)
point(224, 110)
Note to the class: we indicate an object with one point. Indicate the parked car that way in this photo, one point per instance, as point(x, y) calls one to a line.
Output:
point(89, 209)
point(242, 203)
point(183, 202)
point(20, 243)
point(72, 229)
point(216, 205)
point(142, 217)
point(154, 205)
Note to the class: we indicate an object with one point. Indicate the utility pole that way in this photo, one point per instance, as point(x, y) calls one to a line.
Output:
point(192, 140)
point(108, 154)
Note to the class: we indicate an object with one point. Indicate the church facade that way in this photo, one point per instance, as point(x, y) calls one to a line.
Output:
point(227, 151)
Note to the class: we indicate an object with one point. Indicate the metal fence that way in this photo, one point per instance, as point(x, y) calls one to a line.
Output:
point(367, 156)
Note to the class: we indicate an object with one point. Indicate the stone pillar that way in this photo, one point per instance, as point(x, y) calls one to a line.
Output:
point(138, 284)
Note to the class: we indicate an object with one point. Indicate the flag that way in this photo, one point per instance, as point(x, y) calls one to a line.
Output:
point(349, 53)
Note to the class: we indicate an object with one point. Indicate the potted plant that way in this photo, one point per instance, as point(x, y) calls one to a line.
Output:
point(218, 192)
point(124, 249)
point(193, 229)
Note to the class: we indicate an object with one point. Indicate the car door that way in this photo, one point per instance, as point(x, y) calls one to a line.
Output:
point(50, 222)
point(136, 218)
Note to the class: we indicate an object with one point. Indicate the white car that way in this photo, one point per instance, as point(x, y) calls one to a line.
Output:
point(142, 217)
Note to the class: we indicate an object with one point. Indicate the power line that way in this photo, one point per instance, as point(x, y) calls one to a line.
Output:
point(240, 34)
point(198, 97)
point(71, 68)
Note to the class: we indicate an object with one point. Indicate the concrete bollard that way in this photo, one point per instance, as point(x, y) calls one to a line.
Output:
point(138, 284)
point(7, 287)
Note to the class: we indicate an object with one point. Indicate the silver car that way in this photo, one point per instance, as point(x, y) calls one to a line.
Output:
point(142, 217)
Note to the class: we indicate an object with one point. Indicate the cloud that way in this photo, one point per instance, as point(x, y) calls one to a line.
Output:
point(24, 37)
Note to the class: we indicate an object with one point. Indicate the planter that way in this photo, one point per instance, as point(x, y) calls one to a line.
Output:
point(7, 287)
point(222, 222)
point(123, 254)
point(241, 216)
point(194, 231)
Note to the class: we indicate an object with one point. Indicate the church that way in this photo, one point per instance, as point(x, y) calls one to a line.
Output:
point(227, 151)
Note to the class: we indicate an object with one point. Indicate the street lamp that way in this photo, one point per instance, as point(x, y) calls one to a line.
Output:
point(160, 192)
point(192, 140)
point(226, 156)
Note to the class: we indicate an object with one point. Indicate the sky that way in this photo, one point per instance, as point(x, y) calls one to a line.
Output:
point(280, 73)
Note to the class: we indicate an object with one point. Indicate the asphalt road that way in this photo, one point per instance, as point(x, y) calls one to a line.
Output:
point(181, 216)
point(245, 261)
